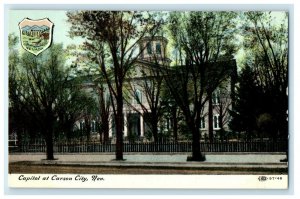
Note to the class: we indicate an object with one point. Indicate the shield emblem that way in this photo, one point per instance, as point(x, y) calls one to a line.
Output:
point(36, 35)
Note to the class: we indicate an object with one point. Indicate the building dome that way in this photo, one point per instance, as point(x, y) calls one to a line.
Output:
point(153, 49)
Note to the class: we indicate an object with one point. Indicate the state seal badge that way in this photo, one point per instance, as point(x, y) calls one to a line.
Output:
point(36, 35)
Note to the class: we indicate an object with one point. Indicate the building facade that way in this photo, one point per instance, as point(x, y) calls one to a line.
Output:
point(146, 77)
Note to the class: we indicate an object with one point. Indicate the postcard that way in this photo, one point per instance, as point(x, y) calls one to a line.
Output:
point(148, 99)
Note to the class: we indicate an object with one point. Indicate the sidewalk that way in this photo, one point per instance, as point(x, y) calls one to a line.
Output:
point(267, 161)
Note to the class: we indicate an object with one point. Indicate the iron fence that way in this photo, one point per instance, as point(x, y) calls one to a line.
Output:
point(93, 146)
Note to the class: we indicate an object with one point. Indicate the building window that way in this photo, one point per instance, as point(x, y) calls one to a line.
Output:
point(166, 124)
point(202, 122)
point(93, 126)
point(137, 96)
point(216, 97)
point(216, 122)
point(158, 48)
point(149, 48)
point(134, 125)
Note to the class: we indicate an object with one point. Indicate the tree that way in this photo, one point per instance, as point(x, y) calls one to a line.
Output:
point(88, 70)
point(16, 108)
point(170, 108)
point(248, 104)
point(150, 84)
point(223, 106)
point(75, 104)
point(201, 38)
point(266, 125)
point(151, 89)
point(267, 49)
point(104, 103)
point(47, 94)
point(113, 36)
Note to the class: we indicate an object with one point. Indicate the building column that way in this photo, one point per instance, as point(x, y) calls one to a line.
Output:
point(125, 125)
point(142, 125)
point(110, 128)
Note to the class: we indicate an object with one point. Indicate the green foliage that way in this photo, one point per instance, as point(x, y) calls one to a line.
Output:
point(248, 103)
point(266, 46)
point(203, 36)
point(267, 125)
point(44, 94)
point(267, 49)
point(12, 41)
point(111, 41)
point(204, 42)
point(111, 37)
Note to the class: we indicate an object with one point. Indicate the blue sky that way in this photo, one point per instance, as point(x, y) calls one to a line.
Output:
point(59, 18)
point(61, 26)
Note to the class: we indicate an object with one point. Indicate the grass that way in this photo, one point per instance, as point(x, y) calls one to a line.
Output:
point(23, 167)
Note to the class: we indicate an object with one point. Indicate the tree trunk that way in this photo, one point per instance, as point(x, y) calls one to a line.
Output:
point(104, 114)
point(119, 126)
point(105, 130)
point(196, 153)
point(154, 124)
point(49, 142)
point(210, 119)
point(175, 127)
